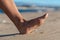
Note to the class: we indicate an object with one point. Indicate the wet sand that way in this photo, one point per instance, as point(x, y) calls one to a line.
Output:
point(50, 30)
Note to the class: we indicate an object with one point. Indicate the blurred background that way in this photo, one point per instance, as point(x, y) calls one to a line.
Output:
point(37, 5)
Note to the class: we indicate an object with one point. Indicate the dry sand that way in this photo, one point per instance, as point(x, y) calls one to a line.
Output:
point(50, 30)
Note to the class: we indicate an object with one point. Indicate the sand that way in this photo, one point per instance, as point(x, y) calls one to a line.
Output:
point(50, 30)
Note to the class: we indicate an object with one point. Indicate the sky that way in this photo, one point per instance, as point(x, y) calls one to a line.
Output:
point(42, 2)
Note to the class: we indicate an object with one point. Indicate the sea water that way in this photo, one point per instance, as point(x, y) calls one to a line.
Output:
point(22, 10)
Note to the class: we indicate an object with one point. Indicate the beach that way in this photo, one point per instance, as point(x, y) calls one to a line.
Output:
point(50, 30)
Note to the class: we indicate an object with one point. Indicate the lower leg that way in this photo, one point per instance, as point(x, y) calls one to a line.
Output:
point(11, 10)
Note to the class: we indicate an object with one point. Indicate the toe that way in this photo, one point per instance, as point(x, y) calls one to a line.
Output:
point(45, 16)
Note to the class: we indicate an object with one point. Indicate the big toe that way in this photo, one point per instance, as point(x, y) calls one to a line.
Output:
point(45, 15)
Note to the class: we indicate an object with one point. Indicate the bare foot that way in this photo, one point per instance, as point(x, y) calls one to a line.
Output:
point(29, 26)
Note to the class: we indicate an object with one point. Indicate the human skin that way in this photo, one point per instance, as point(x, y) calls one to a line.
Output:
point(23, 26)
